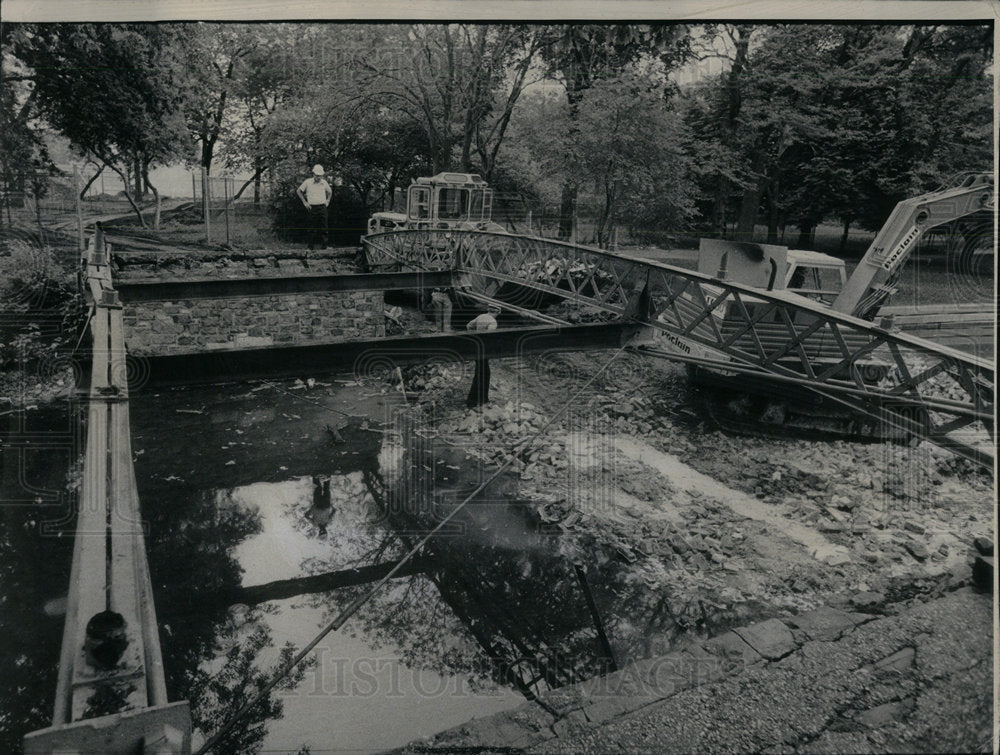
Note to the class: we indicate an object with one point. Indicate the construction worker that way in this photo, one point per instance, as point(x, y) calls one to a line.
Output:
point(479, 394)
point(316, 194)
point(442, 309)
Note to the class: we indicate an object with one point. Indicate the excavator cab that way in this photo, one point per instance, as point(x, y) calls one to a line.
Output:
point(773, 268)
point(451, 201)
point(814, 275)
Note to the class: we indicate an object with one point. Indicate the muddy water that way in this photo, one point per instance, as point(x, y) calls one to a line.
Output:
point(497, 613)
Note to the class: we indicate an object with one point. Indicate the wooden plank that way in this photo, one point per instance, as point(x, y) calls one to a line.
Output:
point(116, 340)
point(99, 328)
point(90, 583)
point(83, 600)
point(124, 597)
point(156, 684)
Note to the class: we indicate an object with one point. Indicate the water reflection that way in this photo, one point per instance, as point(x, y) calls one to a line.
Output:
point(37, 502)
point(267, 525)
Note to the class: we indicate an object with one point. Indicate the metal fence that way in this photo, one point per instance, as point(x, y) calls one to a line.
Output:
point(233, 210)
point(43, 208)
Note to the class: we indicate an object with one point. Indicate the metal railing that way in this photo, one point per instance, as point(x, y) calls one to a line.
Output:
point(928, 390)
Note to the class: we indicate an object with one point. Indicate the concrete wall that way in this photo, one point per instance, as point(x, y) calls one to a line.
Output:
point(168, 327)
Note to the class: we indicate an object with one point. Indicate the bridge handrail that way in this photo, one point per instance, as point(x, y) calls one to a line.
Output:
point(767, 332)
point(800, 303)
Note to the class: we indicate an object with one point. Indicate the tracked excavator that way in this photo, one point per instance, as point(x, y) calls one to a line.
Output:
point(965, 207)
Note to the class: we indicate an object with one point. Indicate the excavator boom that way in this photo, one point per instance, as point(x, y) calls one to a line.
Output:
point(868, 286)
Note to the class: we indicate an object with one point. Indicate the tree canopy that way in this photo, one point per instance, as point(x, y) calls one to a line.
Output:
point(798, 123)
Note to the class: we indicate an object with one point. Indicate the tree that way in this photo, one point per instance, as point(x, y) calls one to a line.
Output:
point(263, 82)
point(460, 82)
point(23, 149)
point(136, 120)
point(579, 54)
point(629, 143)
point(838, 121)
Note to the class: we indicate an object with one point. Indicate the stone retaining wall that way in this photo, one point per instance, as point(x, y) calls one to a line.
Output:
point(171, 327)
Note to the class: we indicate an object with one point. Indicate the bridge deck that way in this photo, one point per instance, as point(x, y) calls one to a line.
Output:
point(110, 575)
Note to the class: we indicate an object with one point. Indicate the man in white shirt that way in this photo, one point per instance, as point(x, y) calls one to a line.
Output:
point(479, 394)
point(315, 194)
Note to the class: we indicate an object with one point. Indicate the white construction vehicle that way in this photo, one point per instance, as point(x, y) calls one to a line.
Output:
point(968, 204)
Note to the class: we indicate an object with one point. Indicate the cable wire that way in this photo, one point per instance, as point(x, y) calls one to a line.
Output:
point(355, 605)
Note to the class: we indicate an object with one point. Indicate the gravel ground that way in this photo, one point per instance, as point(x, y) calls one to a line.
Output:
point(734, 529)
point(715, 519)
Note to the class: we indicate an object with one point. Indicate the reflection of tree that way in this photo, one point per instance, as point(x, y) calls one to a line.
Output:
point(514, 589)
point(34, 567)
point(215, 697)
point(520, 601)
point(191, 539)
point(190, 545)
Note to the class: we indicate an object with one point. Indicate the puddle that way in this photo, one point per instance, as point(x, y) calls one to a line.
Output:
point(495, 611)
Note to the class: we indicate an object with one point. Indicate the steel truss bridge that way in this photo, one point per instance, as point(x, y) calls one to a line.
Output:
point(939, 394)
point(933, 392)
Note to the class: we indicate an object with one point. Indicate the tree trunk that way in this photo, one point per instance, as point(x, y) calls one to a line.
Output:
point(255, 180)
point(156, 217)
point(128, 195)
point(90, 182)
point(807, 230)
point(258, 171)
point(773, 216)
point(719, 208)
point(749, 207)
point(156, 194)
point(843, 236)
point(137, 171)
point(606, 222)
point(772, 226)
point(566, 208)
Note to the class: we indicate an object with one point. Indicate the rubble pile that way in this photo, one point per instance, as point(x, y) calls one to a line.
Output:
point(887, 520)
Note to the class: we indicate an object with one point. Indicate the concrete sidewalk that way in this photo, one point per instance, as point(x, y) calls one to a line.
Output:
point(824, 681)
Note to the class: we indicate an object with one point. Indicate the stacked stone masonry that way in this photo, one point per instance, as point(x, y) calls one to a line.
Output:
point(172, 327)
point(229, 265)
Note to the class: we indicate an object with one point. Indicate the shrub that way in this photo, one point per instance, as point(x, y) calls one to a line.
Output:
point(41, 312)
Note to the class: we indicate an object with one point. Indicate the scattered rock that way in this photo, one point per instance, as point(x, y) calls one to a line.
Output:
point(772, 638)
point(886, 714)
point(823, 624)
point(918, 550)
point(867, 599)
point(898, 661)
point(984, 545)
point(832, 555)
point(914, 527)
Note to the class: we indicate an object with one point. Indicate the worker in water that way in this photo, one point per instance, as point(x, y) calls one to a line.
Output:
point(442, 309)
point(316, 194)
point(479, 394)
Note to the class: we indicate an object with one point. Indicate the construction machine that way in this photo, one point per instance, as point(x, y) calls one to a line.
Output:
point(449, 201)
point(966, 205)
point(968, 202)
